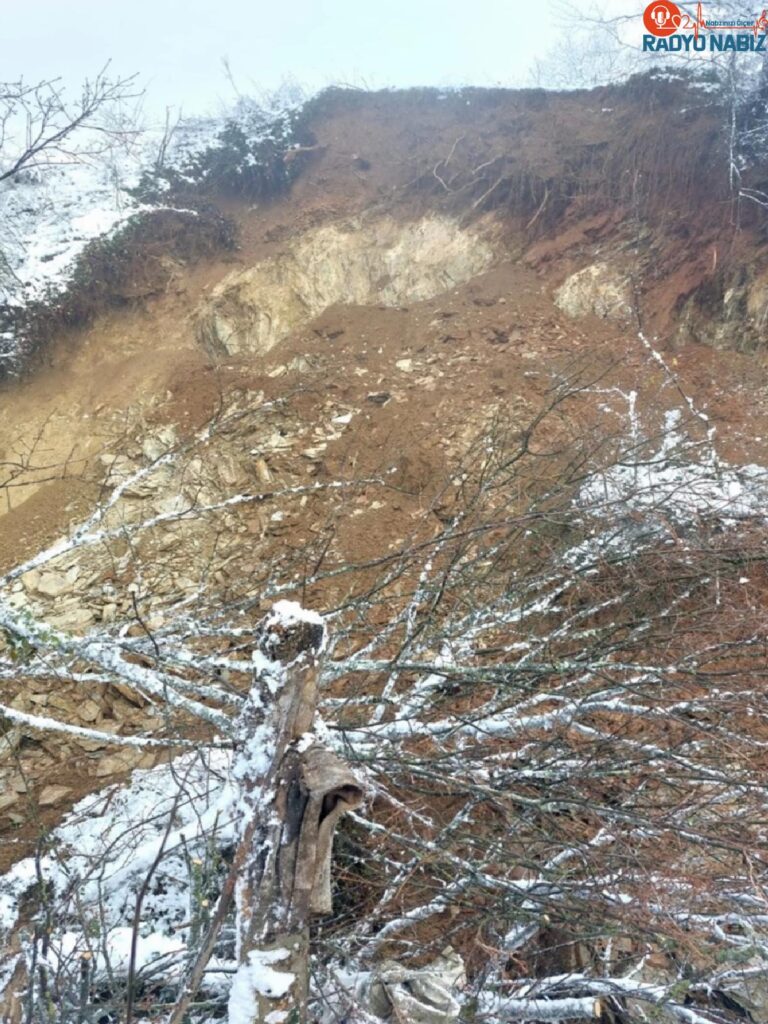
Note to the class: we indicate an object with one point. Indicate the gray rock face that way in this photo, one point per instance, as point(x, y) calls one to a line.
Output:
point(383, 261)
point(597, 290)
point(727, 312)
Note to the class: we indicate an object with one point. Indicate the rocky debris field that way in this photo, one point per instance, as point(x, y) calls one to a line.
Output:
point(382, 399)
point(318, 399)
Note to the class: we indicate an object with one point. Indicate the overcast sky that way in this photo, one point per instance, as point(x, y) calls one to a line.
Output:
point(177, 46)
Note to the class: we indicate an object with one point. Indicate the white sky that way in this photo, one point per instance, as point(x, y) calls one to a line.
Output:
point(176, 45)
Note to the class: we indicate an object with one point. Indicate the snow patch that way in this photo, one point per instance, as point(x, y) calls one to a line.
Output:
point(104, 850)
point(49, 214)
point(668, 492)
point(258, 977)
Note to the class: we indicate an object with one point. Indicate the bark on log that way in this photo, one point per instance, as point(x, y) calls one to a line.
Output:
point(294, 792)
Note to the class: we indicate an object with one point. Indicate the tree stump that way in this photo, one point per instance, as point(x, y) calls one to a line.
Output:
point(294, 792)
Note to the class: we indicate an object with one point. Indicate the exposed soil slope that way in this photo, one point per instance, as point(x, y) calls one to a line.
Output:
point(395, 384)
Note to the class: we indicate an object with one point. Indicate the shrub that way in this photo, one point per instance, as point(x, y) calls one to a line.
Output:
point(132, 263)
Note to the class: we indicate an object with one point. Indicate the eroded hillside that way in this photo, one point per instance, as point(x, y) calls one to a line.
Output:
point(296, 416)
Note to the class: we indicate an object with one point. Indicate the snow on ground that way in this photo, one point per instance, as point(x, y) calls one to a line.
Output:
point(49, 214)
point(104, 849)
point(683, 486)
point(666, 493)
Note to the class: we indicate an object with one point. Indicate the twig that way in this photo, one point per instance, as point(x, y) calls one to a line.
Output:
point(485, 194)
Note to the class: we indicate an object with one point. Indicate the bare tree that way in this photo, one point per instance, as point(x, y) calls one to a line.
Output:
point(40, 124)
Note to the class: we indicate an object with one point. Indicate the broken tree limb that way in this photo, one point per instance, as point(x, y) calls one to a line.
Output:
point(333, 790)
point(294, 791)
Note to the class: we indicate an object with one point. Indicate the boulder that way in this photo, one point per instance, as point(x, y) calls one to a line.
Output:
point(53, 795)
point(88, 710)
point(52, 583)
point(114, 764)
point(154, 446)
point(7, 799)
point(597, 290)
point(71, 616)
